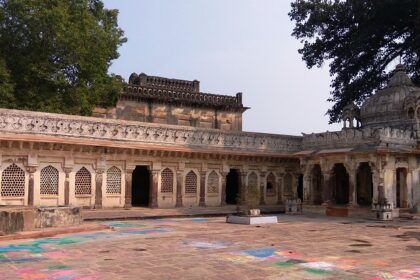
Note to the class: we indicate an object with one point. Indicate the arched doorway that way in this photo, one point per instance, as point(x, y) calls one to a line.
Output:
point(340, 184)
point(401, 191)
point(364, 185)
point(317, 182)
point(300, 187)
point(141, 186)
point(232, 187)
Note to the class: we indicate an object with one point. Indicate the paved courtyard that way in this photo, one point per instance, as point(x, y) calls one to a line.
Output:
point(207, 248)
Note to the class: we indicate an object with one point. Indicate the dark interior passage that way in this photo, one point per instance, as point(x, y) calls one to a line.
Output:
point(341, 184)
point(232, 187)
point(364, 185)
point(141, 186)
point(401, 191)
point(300, 187)
point(317, 184)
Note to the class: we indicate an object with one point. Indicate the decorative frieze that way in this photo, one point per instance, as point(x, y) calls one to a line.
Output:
point(26, 122)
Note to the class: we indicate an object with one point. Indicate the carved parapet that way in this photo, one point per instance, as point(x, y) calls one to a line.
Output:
point(184, 97)
point(350, 138)
point(89, 128)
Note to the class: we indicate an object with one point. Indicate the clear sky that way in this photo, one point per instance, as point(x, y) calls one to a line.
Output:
point(230, 46)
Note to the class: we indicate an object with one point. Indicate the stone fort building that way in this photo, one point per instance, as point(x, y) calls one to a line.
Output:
point(166, 144)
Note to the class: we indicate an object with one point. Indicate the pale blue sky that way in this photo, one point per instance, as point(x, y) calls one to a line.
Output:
point(229, 46)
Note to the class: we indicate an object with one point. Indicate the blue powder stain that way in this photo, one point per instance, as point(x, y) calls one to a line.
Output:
point(261, 253)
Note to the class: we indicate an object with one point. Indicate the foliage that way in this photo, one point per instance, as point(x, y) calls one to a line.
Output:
point(56, 55)
point(360, 39)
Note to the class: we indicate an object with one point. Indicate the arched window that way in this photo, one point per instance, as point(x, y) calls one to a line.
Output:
point(49, 181)
point(83, 182)
point(167, 179)
point(288, 183)
point(113, 180)
point(271, 183)
point(411, 113)
point(191, 182)
point(213, 182)
point(13, 182)
point(252, 180)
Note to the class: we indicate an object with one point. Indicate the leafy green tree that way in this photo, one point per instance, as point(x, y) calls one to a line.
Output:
point(361, 40)
point(56, 55)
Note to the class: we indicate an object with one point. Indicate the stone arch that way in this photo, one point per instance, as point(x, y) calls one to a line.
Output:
point(13, 181)
point(364, 184)
point(83, 182)
point(317, 183)
point(270, 186)
point(340, 184)
point(213, 182)
point(288, 185)
point(252, 180)
point(113, 180)
point(191, 183)
point(49, 181)
point(401, 192)
point(167, 181)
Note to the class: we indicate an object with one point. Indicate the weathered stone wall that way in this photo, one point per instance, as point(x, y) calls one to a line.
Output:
point(172, 114)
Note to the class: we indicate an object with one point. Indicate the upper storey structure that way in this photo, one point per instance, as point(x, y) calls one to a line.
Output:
point(177, 102)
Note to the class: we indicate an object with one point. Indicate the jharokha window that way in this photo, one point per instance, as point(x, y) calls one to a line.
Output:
point(213, 182)
point(113, 180)
point(191, 183)
point(49, 181)
point(167, 179)
point(252, 181)
point(13, 182)
point(83, 182)
point(271, 182)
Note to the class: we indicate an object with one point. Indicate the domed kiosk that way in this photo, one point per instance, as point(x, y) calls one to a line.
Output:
point(394, 106)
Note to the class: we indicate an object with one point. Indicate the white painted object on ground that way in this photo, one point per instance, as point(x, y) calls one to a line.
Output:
point(251, 220)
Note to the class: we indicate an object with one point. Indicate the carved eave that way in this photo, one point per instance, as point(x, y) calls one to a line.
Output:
point(184, 98)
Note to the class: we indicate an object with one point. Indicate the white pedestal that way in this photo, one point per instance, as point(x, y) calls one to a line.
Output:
point(251, 220)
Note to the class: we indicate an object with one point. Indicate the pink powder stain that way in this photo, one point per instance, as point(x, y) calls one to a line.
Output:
point(26, 270)
point(90, 277)
point(55, 255)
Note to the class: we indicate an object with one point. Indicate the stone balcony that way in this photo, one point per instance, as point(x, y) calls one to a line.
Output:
point(28, 126)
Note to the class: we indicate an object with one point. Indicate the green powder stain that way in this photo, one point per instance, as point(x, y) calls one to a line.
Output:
point(284, 264)
point(58, 267)
point(317, 271)
point(2, 256)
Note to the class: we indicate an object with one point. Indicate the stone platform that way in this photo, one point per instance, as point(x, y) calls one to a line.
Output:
point(17, 219)
point(150, 213)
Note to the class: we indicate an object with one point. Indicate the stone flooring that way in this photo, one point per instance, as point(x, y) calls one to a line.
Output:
point(149, 213)
point(298, 247)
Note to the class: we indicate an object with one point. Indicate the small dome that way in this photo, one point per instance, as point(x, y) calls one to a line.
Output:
point(387, 107)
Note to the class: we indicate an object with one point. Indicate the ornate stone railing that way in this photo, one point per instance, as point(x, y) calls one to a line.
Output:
point(27, 122)
point(347, 138)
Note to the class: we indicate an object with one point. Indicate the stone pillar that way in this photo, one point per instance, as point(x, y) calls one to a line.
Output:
point(307, 190)
point(242, 187)
point(280, 189)
point(31, 191)
point(326, 190)
point(262, 187)
point(375, 182)
point(352, 187)
point(223, 188)
point(98, 188)
point(202, 189)
point(179, 181)
point(67, 171)
point(128, 188)
point(154, 177)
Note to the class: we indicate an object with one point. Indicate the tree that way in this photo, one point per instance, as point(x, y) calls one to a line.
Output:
point(361, 40)
point(55, 55)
